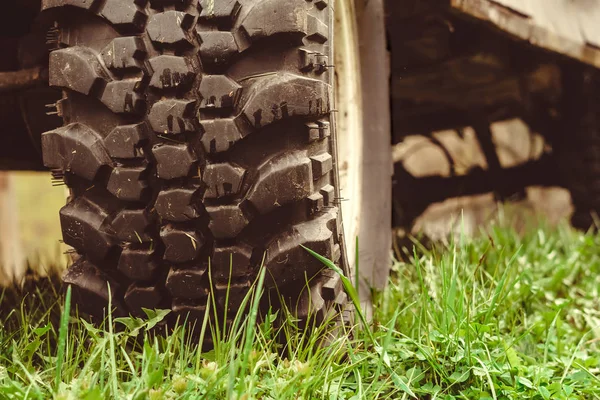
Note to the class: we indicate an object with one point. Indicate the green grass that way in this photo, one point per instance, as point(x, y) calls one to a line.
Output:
point(501, 316)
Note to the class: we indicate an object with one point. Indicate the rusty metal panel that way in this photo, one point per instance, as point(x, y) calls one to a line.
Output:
point(568, 27)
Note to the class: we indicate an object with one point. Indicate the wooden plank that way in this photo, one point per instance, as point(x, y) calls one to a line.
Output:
point(11, 251)
point(519, 6)
point(474, 80)
point(377, 162)
point(559, 18)
point(590, 24)
point(570, 28)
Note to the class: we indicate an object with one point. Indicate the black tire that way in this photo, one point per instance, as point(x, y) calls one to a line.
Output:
point(193, 134)
point(577, 145)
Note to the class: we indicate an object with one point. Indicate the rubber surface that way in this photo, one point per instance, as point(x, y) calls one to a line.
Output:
point(195, 131)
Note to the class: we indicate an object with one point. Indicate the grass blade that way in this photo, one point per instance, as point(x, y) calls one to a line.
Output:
point(62, 339)
point(353, 293)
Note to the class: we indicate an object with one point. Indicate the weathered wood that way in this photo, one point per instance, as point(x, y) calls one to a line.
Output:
point(433, 189)
point(425, 119)
point(375, 73)
point(11, 252)
point(567, 27)
point(419, 41)
point(408, 9)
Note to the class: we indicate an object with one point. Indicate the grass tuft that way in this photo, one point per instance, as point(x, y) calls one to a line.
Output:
point(500, 316)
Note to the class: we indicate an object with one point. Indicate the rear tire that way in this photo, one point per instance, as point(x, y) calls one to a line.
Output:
point(196, 131)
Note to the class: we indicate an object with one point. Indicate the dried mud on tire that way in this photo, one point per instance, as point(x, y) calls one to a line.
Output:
point(195, 131)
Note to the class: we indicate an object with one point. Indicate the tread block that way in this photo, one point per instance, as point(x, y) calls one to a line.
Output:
point(310, 302)
point(283, 180)
point(217, 47)
point(274, 17)
point(132, 226)
point(126, 141)
point(331, 287)
point(231, 262)
point(171, 72)
point(138, 264)
point(313, 132)
point(321, 64)
point(117, 12)
point(78, 69)
point(174, 160)
point(219, 91)
point(138, 296)
point(178, 205)
point(337, 252)
point(317, 131)
point(341, 299)
point(76, 148)
point(287, 262)
point(122, 97)
point(127, 183)
point(278, 97)
point(226, 221)
point(313, 61)
point(220, 134)
point(91, 290)
point(187, 283)
point(321, 4)
point(234, 294)
point(317, 30)
point(328, 193)
point(83, 223)
point(223, 180)
point(170, 28)
point(321, 164)
point(181, 245)
point(323, 129)
point(125, 53)
point(121, 12)
point(315, 203)
point(171, 116)
point(225, 10)
point(189, 312)
point(335, 226)
point(308, 60)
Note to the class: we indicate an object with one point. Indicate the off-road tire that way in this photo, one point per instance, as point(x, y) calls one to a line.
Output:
point(577, 144)
point(196, 130)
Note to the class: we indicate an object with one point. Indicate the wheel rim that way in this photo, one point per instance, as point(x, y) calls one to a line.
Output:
point(349, 121)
